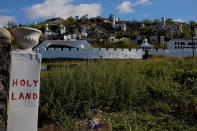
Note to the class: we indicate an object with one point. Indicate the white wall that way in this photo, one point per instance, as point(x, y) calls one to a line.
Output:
point(90, 54)
point(121, 53)
point(174, 53)
point(110, 53)
point(95, 53)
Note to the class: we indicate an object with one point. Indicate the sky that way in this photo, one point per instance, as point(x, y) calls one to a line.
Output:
point(30, 11)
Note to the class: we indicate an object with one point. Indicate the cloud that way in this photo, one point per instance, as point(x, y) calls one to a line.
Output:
point(179, 20)
point(62, 8)
point(5, 11)
point(142, 2)
point(146, 15)
point(4, 20)
point(127, 6)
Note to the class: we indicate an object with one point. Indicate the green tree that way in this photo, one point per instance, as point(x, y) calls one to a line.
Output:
point(147, 21)
point(169, 21)
point(156, 21)
point(134, 34)
point(70, 20)
point(11, 24)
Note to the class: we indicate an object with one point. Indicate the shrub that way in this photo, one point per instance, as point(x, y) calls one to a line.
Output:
point(133, 94)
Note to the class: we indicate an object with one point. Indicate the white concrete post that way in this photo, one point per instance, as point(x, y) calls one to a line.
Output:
point(24, 82)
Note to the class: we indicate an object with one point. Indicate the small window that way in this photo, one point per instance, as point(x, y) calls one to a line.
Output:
point(182, 43)
point(59, 46)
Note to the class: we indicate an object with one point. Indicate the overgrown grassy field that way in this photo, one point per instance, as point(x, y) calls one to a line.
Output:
point(155, 94)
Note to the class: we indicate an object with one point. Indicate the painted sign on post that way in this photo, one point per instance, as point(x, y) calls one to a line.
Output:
point(24, 91)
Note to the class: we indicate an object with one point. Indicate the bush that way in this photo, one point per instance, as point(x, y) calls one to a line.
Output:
point(160, 93)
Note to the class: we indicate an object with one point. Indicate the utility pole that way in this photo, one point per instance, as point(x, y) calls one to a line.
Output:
point(192, 32)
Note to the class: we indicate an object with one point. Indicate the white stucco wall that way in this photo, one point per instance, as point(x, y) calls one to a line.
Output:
point(174, 52)
point(95, 53)
point(121, 53)
point(110, 53)
point(90, 54)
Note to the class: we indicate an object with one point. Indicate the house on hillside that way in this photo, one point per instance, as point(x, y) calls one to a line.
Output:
point(123, 27)
point(84, 17)
point(84, 32)
point(111, 39)
point(163, 25)
point(182, 44)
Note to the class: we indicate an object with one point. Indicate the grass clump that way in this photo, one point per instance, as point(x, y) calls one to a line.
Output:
point(156, 94)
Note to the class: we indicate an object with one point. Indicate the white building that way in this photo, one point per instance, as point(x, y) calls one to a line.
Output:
point(77, 17)
point(67, 37)
point(78, 36)
point(84, 17)
point(51, 33)
point(162, 40)
point(116, 26)
point(164, 27)
point(154, 39)
point(84, 32)
point(111, 39)
point(181, 28)
point(47, 32)
point(139, 38)
point(62, 29)
point(46, 27)
point(142, 25)
point(74, 36)
point(123, 27)
point(181, 44)
point(112, 19)
point(170, 27)
point(71, 37)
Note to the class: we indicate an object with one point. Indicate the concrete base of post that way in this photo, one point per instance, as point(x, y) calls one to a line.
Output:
point(24, 91)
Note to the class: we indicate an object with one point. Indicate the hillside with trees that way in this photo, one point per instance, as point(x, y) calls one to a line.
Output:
point(100, 29)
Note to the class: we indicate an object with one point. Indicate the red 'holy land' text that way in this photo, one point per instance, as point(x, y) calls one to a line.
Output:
point(16, 83)
point(28, 83)
point(24, 96)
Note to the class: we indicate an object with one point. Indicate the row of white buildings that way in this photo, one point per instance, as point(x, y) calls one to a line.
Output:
point(112, 19)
